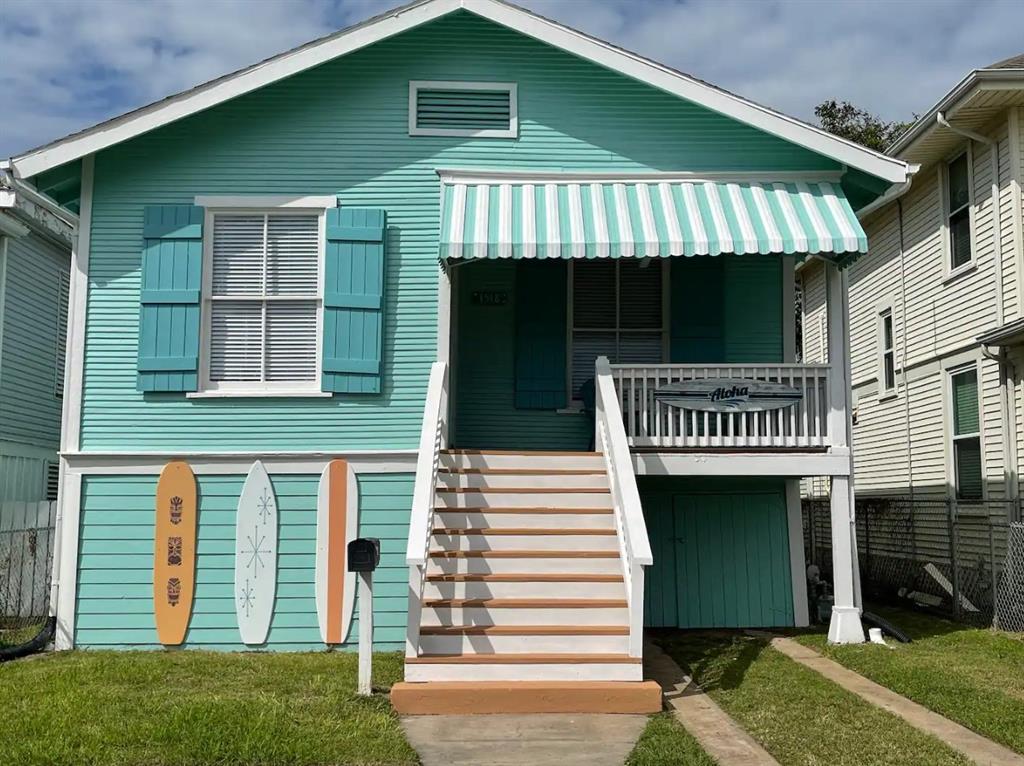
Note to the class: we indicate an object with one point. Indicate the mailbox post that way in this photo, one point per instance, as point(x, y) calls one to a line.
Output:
point(363, 557)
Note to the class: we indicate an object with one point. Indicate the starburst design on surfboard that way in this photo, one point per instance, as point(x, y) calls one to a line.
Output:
point(247, 598)
point(255, 551)
point(266, 506)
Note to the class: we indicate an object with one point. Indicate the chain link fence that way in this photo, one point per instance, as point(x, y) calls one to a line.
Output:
point(26, 561)
point(965, 561)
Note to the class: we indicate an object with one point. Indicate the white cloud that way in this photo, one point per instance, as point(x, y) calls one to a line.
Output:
point(71, 63)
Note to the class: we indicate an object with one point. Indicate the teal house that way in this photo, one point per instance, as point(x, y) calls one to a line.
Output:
point(536, 291)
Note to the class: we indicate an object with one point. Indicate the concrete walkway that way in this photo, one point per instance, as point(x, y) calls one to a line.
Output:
point(523, 740)
point(974, 746)
point(720, 736)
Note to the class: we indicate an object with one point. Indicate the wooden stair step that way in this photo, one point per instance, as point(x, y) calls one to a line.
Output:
point(522, 659)
point(568, 577)
point(530, 554)
point(524, 630)
point(528, 603)
point(483, 697)
point(527, 490)
point(525, 531)
point(531, 453)
point(524, 471)
point(524, 510)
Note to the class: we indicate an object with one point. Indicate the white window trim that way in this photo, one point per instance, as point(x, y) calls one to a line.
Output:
point(952, 436)
point(513, 115)
point(950, 273)
point(575, 404)
point(881, 313)
point(225, 389)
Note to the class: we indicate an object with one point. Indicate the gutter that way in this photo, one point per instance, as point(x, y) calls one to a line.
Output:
point(8, 180)
point(894, 192)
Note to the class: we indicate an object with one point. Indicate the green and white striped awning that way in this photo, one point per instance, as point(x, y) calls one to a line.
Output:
point(505, 217)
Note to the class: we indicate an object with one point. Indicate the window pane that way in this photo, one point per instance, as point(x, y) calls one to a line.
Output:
point(890, 371)
point(238, 254)
point(968, 468)
point(887, 330)
point(293, 250)
point(639, 348)
point(640, 293)
point(236, 329)
point(593, 294)
point(959, 188)
point(965, 403)
point(586, 348)
point(960, 238)
point(291, 340)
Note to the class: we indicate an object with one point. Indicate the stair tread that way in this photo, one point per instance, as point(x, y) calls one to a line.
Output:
point(521, 659)
point(529, 603)
point(524, 531)
point(524, 471)
point(524, 510)
point(526, 577)
point(530, 554)
point(528, 490)
point(527, 453)
point(524, 630)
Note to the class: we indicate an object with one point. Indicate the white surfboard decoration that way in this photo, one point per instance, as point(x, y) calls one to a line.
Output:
point(255, 556)
point(337, 523)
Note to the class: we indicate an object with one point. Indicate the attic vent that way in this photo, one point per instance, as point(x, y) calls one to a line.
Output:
point(52, 479)
point(479, 109)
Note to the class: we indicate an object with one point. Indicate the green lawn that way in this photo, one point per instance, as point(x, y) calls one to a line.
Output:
point(666, 743)
point(191, 708)
point(798, 716)
point(973, 676)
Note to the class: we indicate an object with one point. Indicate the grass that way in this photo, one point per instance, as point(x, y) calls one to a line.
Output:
point(666, 743)
point(198, 708)
point(20, 635)
point(974, 676)
point(796, 715)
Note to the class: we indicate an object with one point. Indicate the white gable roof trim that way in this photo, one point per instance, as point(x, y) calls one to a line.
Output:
point(399, 20)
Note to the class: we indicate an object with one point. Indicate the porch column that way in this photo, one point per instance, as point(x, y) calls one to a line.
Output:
point(845, 626)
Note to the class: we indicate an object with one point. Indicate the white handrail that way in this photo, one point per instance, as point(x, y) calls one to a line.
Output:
point(432, 438)
point(634, 545)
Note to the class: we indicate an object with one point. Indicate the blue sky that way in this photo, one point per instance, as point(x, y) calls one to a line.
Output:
point(68, 64)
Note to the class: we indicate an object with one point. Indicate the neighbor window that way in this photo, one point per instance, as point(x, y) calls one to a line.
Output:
point(617, 311)
point(262, 301)
point(958, 207)
point(966, 434)
point(886, 353)
point(471, 109)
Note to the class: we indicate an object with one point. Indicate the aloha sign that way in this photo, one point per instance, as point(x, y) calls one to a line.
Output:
point(728, 395)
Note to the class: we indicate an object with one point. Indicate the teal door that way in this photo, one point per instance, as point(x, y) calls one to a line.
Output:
point(721, 559)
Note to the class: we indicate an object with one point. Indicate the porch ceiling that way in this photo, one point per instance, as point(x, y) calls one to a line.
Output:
point(563, 216)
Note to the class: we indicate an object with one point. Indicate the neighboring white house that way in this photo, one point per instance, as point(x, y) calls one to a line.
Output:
point(937, 312)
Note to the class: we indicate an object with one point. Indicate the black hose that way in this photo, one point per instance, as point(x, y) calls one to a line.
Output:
point(887, 627)
point(37, 644)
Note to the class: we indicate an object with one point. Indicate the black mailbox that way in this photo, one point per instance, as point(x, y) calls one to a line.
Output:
point(363, 554)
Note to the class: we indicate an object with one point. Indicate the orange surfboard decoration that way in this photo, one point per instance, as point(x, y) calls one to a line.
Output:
point(174, 552)
point(336, 524)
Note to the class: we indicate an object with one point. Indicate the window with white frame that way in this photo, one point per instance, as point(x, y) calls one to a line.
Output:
point(886, 353)
point(617, 311)
point(262, 300)
point(966, 433)
point(958, 210)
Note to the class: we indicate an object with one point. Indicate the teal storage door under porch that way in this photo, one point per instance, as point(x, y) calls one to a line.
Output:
point(721, 555)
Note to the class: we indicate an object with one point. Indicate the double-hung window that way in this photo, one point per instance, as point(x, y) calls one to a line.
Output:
point(618, 312)
point(967, 467)
point(958, 211)
point(262, 301)
point(886, 353)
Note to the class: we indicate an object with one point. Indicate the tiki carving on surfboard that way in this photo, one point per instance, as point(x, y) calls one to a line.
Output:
point(337, 518)
point(174, 552)
point(255, 556)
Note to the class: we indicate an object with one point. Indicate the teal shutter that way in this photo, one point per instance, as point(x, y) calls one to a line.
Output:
point(698, 294)
point(541, 357)
point(172, 273)
point(354, 300)
point(753, 308)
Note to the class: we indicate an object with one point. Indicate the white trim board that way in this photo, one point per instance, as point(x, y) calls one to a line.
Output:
point(476, 176)
point(399, 20)
point(228, 463)
point(836, 462)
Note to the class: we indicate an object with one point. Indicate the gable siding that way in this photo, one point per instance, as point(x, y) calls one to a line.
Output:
point(29, 407)
point(342, 129)
point(115, 582)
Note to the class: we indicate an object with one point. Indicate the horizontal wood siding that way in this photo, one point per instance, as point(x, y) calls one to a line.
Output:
point(23, 477)
point(115, 590)
point(342, 129)
point(29, 406)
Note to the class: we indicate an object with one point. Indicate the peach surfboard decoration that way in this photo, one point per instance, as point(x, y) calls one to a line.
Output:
point(336, 524)
point(255, 556)
point(174, 552)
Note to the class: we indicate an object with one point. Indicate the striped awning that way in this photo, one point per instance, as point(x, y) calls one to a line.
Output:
point(580, 218)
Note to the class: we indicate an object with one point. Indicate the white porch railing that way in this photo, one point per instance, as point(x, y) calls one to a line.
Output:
point(650, 422)
point(634, 547)
point(433, 439)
